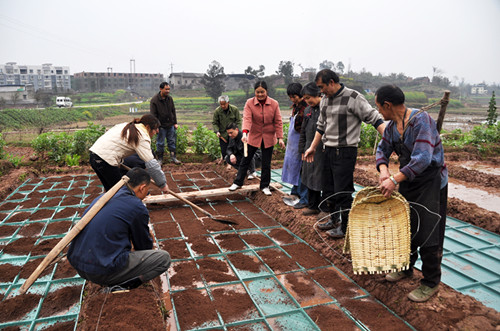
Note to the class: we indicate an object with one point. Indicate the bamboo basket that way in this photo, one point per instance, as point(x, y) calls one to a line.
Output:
point(378, 233)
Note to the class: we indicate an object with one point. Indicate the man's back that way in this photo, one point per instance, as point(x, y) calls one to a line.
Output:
point(104, 244)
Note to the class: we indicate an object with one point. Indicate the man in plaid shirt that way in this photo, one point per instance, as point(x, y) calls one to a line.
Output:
point(339, 125)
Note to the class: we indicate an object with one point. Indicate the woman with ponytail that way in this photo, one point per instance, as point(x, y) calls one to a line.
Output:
point(121, 141)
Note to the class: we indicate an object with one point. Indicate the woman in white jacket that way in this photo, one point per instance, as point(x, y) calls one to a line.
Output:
point(121, 141)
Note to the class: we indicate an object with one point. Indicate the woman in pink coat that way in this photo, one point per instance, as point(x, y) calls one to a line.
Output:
point(262, 128)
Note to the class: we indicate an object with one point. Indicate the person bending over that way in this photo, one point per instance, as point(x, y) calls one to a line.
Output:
point(102, 252)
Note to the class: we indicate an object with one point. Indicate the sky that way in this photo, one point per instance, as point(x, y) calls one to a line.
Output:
point(459, 37)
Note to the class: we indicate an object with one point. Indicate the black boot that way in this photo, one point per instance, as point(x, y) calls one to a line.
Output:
point(173, 158)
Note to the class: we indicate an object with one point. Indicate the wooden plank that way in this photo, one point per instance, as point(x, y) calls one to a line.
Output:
point(206, 193)
point(200, 194)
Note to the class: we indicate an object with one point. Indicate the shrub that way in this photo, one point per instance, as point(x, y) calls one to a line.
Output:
point(58, 146)
point(286, 127)
point(182, 139)
point(367, 136)
point(206, 141)
point(2, 145)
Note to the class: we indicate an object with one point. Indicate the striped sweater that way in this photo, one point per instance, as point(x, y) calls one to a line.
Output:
point(341, 115)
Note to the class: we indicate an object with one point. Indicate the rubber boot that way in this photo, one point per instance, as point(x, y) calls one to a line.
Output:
point(173, 158)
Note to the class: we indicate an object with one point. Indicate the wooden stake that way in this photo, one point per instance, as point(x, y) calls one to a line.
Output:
point(444, 103)
point(72, 234)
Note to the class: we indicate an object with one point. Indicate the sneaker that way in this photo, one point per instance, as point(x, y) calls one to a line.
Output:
point(299, 205)
point(266, 191)
point(309, 212)
point(422, 293)
point(396, 276)
point(234, 187)
point(336, 233)
point(253, 175)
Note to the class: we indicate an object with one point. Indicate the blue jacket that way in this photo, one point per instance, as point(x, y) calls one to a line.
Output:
point(103, 246)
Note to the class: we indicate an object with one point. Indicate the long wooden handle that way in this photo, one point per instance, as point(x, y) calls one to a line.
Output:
point(444, 103)
point(72, 234)
point(189, 203)
point(245, 149)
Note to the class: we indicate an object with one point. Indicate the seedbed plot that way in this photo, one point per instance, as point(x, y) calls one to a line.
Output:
point(256, 275)
point(42, 212)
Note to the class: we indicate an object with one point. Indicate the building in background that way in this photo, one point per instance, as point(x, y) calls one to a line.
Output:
point(112, 81)
point(193, 81)
point(19, 96)
point(42, 77)
point(185, 80)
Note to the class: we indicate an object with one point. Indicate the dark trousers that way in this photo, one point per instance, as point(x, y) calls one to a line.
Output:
point(170, 134)
point(145, 265)
point(265, 176)
point(338, 173)
point(108, 174)
point(431, 256)
point(132, 161)
point(251, 167)
point(223, 147)
point(314, 199)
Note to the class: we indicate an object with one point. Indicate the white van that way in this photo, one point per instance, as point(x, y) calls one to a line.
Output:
point(63, 102)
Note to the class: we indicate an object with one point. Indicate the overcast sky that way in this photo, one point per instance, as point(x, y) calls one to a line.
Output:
point(460, 37)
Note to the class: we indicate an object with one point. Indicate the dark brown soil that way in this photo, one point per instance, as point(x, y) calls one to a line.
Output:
point(32, 229)
point(58, 302)
point(203, 246)
point(21, 246)
point(137, 309)
point(41, 214)
point(60, 227)
point(194, 308)
point(31, 203)
point(243, 261)
point(31, 265)
point(166, 230)
point(374, 316)
point(44, 246)
point(176, 248)
point(256, 240)
point(18, 217)
point(53, 202)
point(215, 271)
point(71, 201)
point(230, 242)
point(61, 326)
point(64, 270)
point(282, 236)
point(278, 261)
point(186, 275)
point(8, 272)
point(66, 213)
point(234, 304)
point(305, 256)
point(330, 316)
point(15, 308)
point(7, 231)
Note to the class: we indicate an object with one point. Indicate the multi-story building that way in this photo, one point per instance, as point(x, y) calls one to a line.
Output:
point(45, 76)
point(112, 81)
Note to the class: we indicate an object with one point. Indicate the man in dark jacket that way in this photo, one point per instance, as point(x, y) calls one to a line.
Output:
point(234, 152)
point(102, 254)
point(224, 115)
point(163, 108)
